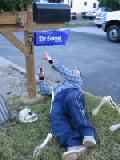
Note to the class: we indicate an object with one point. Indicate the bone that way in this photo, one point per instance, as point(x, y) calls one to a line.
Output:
point(40, 147)
point(102, 102)
point(114, 127)
point(114, 106)
point(106, 99)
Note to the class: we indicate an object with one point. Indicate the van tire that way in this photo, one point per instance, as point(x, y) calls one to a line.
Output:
point(113, 33)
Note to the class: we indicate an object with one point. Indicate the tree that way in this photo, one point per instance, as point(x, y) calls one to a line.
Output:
point(114, 4)
point(14, 5)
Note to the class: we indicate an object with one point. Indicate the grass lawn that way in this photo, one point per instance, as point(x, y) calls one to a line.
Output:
point(23, 138)
point(80, 22)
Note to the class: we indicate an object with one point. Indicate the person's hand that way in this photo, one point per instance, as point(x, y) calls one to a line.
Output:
point(46, 56)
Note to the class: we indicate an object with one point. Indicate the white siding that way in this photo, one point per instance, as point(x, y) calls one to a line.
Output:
point(78, 5)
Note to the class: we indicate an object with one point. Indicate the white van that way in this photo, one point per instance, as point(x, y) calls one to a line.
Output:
point(101, 16)
point(112, 26)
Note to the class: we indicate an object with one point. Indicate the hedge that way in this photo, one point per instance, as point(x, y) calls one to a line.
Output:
point(14, 5)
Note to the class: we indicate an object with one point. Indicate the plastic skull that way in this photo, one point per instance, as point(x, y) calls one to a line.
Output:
point(26, 116)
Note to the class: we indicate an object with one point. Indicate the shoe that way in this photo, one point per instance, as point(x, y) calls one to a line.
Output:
point(73, 153)
point(89, 141)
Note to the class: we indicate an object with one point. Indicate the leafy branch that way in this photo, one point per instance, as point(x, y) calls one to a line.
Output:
point(14, 5)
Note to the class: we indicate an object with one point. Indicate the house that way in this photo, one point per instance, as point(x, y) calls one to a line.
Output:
point(77, 6)
point(80, 6)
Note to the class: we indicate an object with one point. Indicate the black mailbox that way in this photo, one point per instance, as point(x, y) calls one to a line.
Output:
point(51, 12)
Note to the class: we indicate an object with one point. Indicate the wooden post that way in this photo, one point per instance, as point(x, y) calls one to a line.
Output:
point(8, 25)
point(9, 35)
point(30, 68)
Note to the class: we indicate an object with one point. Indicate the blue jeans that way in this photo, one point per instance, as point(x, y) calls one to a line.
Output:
point(69, 120)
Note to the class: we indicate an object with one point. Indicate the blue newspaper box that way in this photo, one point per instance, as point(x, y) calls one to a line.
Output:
point(51, 37)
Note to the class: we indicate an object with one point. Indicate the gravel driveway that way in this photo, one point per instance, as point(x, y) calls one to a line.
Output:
point(12, 82)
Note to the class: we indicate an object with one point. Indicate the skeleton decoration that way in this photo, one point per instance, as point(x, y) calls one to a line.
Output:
point(108, 99)
point(26, 116)
point(40, 148)
point(52, 99)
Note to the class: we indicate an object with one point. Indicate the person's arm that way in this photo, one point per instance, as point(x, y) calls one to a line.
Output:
point(64, 71)
point(45, 89)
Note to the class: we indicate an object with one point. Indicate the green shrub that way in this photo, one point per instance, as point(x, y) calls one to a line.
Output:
point(14, 5)
point(114, 4)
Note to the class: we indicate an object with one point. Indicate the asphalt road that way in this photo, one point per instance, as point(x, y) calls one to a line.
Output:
point(98, 59)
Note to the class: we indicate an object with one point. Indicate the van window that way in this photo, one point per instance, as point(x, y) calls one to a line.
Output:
point(71, 3)
point(85, 3)
point(94, 5)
